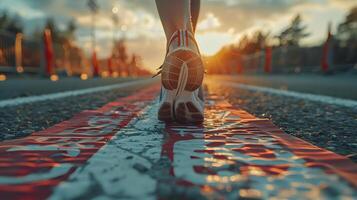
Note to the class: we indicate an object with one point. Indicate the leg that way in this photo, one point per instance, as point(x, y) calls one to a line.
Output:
point(174, 14)
point(195, 12)
point(182, 71)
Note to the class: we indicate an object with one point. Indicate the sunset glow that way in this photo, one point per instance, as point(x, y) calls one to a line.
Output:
point(211, 43)
point(221, 22)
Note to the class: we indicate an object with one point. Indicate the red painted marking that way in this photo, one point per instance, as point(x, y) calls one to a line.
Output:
point(258, 151)
point(229, 142)
point(224, 127)
point(70, 142)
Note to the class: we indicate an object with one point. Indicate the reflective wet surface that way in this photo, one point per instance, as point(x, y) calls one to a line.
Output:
point(122, 151)
point(235, 155)
point(35, 165)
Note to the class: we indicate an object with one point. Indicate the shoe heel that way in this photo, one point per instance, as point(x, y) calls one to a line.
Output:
point(195, 72)
point(165, 113)
point(175, 62)
point(166, 107)
point(188, 108)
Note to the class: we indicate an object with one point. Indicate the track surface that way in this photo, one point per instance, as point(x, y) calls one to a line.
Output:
point(30, 86)
point(326, 125)
point(120, 151)
point(339, 85)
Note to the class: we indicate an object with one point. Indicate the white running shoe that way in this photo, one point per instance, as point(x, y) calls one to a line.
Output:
point(181, 76)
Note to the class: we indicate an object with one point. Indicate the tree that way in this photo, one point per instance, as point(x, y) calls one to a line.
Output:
point(135, 64)
point(261, 39)
point(11, 24)
point(120, 51)
point(243, 42)
point(15, 25)
point(61, 36)
point(347, 30)
point(71, 29)
point(136, 60)
point(52, 26)
point(257, 42)
point(4, 18)
point(347, 39)
point(294, 33)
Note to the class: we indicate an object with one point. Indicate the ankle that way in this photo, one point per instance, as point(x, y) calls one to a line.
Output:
point(182, 39)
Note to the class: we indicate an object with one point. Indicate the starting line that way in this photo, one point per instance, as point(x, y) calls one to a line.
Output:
point(121, 151)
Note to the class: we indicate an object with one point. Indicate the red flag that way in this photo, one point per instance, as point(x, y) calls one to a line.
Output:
point(95, 64)
point(239, 65)
point(49, 52)
point(110, 67)
point(326, 52)
point(268, 59)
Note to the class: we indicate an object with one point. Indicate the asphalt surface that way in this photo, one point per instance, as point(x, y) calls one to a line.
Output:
point(20, 121)
point(25, 87)
point(327, 126)
point(236, 156)
point(339, 85)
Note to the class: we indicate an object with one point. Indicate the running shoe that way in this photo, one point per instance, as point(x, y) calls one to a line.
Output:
point(181, 76)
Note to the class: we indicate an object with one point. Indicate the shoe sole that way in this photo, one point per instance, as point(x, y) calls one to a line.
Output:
point(181, 80)
point(187, 104)
point(187, 109)
point(166, 112)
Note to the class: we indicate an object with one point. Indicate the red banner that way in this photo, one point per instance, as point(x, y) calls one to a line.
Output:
point(95, 64)
point(49, 56)
point(268, 60)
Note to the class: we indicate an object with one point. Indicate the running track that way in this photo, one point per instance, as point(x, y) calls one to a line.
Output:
point(121, 151)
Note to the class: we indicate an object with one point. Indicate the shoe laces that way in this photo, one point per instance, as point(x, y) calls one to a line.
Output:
point(159, 71)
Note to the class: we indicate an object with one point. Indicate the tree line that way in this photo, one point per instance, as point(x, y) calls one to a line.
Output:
point(344, 42)
point(65, 38)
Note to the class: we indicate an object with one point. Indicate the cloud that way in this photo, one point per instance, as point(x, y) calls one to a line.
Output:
point(209, 22)
point(221, 21)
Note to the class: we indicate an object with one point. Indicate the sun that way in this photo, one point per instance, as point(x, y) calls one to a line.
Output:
point(211, 42)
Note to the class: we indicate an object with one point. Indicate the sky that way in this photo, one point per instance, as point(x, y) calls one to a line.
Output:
point(221, 22)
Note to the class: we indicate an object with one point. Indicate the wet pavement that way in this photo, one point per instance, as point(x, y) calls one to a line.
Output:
point(328, 126)
point(120, 151)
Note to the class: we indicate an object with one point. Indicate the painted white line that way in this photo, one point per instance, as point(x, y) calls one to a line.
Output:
point(299, 95)
point(118, 168)
point(32, 99)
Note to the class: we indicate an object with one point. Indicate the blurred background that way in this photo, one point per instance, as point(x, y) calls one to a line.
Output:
point(120, 38)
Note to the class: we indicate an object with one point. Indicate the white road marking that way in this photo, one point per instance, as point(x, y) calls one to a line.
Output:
point(32, 99)
point(112, 169)
point(299, 95)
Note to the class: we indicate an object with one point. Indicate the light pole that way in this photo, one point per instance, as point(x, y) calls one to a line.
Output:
point(113, 60)
point(93, 6)
point(115, 18)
